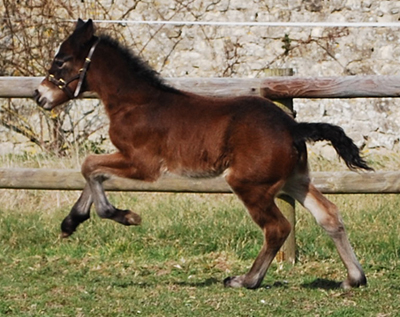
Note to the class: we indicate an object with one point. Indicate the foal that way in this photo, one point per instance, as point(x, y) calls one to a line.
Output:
point(256, 146)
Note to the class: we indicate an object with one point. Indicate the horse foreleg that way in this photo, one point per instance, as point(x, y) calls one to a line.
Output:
point(259, 201)
point(78, 214)
point(105, 209)
point(327, 215)
point(96, 169)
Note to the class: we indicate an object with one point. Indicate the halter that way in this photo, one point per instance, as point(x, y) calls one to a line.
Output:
point(63, 84)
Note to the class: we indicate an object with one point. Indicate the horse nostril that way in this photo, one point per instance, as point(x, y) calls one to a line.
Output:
point(36, 94)
point(38, 98)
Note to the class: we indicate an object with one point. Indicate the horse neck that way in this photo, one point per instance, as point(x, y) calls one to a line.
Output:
point(115, 84)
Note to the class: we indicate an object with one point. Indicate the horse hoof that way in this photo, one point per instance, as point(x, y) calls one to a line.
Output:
point(68, 227)
point(349, 283)
point(233, 281)
point(133, 219)
point(65, 235)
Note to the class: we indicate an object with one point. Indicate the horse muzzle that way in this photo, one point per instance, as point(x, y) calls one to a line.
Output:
point(41, 101)
point(45, 97)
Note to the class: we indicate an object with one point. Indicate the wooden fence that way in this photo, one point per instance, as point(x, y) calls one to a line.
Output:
point(72, 179)
point(271, 87)
point(275, 88)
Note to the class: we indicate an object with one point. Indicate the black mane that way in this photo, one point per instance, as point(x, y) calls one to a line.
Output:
point(138, 65)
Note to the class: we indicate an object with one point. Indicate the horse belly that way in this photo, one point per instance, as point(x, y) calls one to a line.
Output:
point(200, 173)
point(196, 166)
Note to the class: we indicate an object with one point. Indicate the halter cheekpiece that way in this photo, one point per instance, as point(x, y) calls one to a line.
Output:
point(63, 84)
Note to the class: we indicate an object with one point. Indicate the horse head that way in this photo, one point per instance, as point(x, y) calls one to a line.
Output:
point(66, 78)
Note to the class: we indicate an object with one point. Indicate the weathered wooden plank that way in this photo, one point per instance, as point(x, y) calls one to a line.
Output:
point(18, 87)
point(331, 87)
point(357, 183)
point(271, 87)
point(221, 87)
point(67, 179)
point(23, 87)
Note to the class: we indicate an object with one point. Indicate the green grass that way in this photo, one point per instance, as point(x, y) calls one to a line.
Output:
point(175, 262)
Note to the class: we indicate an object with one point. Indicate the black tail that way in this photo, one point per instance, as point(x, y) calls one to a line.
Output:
point(343, 145)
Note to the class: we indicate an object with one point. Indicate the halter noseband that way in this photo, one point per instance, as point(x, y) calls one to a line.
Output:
point(63, 84)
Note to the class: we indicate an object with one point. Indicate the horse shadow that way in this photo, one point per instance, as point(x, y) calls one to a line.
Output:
point(206, 283)
point(322, 284)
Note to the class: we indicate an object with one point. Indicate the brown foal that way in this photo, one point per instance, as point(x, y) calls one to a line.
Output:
point(256, 146)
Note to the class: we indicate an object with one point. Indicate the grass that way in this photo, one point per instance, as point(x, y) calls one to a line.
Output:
point(174, 263)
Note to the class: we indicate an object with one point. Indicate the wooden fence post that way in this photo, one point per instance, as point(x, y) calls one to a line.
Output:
point(288, 251)
point(285, 203)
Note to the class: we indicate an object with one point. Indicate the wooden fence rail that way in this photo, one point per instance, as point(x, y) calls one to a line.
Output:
point(70, 179)
point(271, 87)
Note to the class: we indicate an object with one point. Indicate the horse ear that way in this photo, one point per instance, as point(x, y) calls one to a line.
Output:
point(84, 31)
point(79, 24)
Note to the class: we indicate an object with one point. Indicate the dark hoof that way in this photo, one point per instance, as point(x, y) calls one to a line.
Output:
point(68, 227)
point(69, 224)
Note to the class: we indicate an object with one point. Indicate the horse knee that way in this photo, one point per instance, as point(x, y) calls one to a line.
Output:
point(88, 166)
point(90, 169)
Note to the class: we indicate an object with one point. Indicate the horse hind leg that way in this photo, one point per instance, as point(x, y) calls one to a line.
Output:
point(327, 216)
point(259, 201)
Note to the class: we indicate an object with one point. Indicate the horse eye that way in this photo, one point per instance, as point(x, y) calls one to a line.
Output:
point(59, 63)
